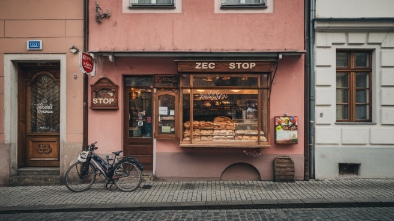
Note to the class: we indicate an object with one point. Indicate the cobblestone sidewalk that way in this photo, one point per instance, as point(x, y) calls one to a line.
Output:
point(202, 194)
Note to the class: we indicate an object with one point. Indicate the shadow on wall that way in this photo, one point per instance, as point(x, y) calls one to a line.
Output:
point(240, 171)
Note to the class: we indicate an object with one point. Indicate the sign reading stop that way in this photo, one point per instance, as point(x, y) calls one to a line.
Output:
point(86, 63)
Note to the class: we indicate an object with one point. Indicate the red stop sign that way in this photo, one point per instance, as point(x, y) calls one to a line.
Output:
point(86, 62)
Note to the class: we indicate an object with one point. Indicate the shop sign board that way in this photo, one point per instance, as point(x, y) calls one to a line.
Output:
point(104, 95)
point(165, 81)
point(86, 63)
point(224, 66)
point(286, 129)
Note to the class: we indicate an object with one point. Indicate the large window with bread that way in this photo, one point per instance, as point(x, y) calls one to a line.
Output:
point(228, 110)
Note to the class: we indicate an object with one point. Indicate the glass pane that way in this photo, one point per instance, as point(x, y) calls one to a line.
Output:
point(342, 80)
point(166, 114)
point(231, 1)
point(362, 59)
point(142, 1)
point(140, 113)
point(185, 79)
point(226, 115)
point(342, 96)
point(264, 117)
point(342, 59)
point(252, 1)
point(186, 114)
point(44, 104)
point(361, 96)
point(362, 112)
point(225, 80)
point(164, 1)
point(362, 80)
point(138, 81)
point(342, 112)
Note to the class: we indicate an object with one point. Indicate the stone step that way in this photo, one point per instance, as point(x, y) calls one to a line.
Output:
point(36, 176)
point(39, 171)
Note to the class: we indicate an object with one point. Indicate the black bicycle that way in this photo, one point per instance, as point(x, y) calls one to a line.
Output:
point(125, 172)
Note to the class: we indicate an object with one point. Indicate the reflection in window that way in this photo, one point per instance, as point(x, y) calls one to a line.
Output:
point(140, 113)
point(225, 80)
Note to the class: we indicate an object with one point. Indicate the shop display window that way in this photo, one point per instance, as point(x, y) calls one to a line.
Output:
point(140, 114)
point(224, 110)
point(166, 108)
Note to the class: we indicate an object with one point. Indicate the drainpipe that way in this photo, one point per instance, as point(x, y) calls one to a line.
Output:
point(312, 91)
point(306, 91)
point(85, 76)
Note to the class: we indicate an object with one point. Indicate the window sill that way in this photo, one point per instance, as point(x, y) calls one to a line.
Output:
point(231, 145)
point(151, 6)
point(244, 6)
point(355, 123)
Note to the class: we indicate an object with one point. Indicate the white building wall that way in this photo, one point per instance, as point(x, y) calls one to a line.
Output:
point(369, 144)
point(354, 8)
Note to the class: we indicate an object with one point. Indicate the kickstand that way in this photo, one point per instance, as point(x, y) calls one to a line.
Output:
point(109, 182)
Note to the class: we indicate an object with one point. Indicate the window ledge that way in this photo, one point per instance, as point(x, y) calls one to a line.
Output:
point(245, 145)
point(355, 123)
point(243, 6)
point(152, 6)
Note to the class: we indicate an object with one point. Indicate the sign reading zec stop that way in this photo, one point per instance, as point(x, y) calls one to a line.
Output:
point(86, 63)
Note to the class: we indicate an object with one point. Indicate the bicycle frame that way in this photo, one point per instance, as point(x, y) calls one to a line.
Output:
point(100, 166)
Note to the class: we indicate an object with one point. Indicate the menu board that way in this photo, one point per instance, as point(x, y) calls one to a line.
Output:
point(286, 129)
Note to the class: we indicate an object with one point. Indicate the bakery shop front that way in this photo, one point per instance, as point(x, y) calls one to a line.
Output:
point(196, 118)
point(225, 104)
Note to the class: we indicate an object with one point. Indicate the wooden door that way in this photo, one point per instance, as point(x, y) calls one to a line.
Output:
point(139, 124)
point(39, 116)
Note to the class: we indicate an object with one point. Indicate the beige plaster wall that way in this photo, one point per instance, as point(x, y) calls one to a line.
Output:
point(59, 24)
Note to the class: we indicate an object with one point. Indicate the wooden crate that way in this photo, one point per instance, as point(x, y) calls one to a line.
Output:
point(284, 169)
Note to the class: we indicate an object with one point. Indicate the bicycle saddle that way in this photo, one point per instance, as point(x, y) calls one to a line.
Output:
point(117, 152)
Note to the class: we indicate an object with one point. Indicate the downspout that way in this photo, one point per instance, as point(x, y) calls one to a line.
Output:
point(306, 91)
point(85, 76)
point(311, 91)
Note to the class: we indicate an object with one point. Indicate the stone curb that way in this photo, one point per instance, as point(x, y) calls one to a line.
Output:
point(200, 205)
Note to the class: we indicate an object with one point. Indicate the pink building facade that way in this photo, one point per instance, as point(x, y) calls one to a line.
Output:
point(199, 89)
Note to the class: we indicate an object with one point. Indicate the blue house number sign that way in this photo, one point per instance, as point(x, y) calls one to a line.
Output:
point(34, 45)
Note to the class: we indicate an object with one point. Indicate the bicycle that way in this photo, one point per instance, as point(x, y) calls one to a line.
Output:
point(125, 172)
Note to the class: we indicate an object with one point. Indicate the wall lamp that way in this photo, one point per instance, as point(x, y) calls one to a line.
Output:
point(74, 49)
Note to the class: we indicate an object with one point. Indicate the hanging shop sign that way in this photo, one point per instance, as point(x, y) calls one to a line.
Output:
point(224, 66)
point(286, 130)
point(86, 63)
point(104, 95)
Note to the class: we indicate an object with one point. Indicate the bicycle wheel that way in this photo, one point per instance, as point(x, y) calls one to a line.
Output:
point(78, 182)
point(127, 176)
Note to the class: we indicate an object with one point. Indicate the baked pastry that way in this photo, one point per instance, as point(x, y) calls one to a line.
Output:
point(239, 132)
point(186, 124)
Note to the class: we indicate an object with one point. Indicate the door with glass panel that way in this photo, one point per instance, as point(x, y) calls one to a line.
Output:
point(138, 111)
point(39, 115)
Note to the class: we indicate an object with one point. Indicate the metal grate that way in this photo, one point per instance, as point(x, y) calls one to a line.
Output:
point(44, 104)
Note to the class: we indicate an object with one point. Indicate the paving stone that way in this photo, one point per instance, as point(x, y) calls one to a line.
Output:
point(204, 194)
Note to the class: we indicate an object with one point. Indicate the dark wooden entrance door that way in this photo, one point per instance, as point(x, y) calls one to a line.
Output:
point(139, 121)
point(39, 115)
